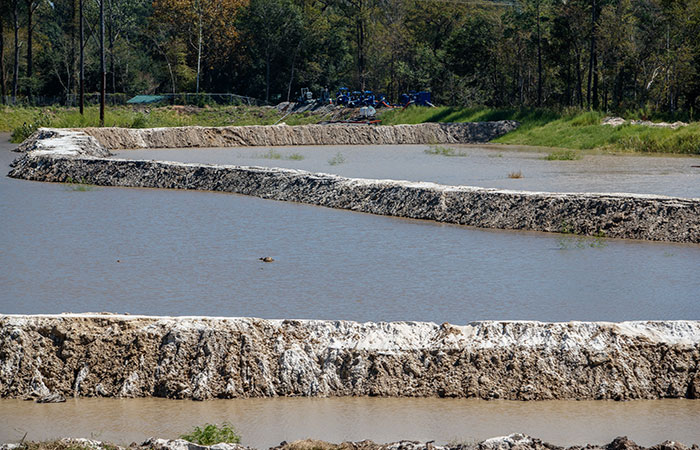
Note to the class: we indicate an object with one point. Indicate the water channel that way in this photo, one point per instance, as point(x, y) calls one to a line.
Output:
point(471, 165)
point(266, 422)
point(167, 252)
point(170, 252)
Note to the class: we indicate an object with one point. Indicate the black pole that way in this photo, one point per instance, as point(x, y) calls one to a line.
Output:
point(82, 62)
point(103, 76)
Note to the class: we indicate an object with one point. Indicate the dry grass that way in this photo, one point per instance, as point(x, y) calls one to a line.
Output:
point(517, 174)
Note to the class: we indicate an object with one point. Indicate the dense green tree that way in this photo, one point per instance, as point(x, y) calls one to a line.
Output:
point(604, 54)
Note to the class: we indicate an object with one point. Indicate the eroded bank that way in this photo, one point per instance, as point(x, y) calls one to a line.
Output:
point(202, 358)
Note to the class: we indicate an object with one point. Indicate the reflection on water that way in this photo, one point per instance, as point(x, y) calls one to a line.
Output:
point(484, 166)
point(167, 252)
point(266, 422)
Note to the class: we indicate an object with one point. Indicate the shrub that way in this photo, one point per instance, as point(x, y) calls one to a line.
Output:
point(211, 434)
point(25, 130)
point(444, 151)
point(563, 155)
point(337, 159)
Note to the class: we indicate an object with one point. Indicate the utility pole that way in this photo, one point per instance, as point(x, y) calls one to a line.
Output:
point(539, 58)
point(199, 44)
point(82, 62)
point(103, 75)
point(30, 59)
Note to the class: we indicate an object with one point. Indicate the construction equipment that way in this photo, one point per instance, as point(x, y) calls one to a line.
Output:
point(306, 96)
point(415, 98)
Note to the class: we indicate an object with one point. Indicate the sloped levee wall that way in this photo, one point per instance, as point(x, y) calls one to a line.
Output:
point(202, 358)
point(619, 216)
point(65, 155)
point(258, 135)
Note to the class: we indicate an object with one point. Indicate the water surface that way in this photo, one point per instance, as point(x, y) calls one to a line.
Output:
point(266, 422)
point(475, 165)
point(169, 252)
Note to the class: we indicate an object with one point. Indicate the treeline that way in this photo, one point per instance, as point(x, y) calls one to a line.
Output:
point(600, 54)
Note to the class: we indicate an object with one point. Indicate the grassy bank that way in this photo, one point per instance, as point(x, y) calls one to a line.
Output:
point(574, 130)
point(23, 120)
point(569, 129)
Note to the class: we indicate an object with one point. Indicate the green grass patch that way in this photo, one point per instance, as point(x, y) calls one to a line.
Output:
point(570, 240)
point(211, 434)
point(79, 186)
point(23, 121)
point(568, 129)
point(563, 155)
point(337, 159)
point(273, 154)
point(444, 151)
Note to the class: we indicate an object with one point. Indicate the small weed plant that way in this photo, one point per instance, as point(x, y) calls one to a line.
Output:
point(515, 175)
point(273, 154)
point(571, 241)
point(79, 186)
point(563, 155)
point(440, 150)
point(337, 159)
point(211, 434)
point(25, 130)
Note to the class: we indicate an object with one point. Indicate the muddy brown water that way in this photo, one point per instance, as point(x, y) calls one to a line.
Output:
point(169, 252)
point(472, 165)
point(266, 422)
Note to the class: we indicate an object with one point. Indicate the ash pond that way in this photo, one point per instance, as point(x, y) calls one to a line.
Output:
point(68, 248)
point(266, 422)
point(492, 166)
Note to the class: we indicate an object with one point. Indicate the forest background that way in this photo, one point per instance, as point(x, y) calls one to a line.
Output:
point(611, 55)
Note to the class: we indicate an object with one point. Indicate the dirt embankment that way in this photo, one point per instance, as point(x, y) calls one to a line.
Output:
point(336, 134)
point(649, 217)
point(202, 358)
point(65, 155)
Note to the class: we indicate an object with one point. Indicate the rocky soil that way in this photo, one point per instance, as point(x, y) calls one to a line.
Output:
point(334, 134)
point(203, 358)
point(511, 442)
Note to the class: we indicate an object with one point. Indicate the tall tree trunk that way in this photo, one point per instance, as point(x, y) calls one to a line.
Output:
point(103, 67)
point(567, 91)
point(111, 48)
point(595, 82)
point(592, 59)
point(668, 68)
point(2, 64)
point(579, 76)
point(15, 69)
point(73, 70)
point(291, 76)
point(82, 62)
point(267, 73)
point(30, 29)
point(199, 43)
point(361, 57)
point(539, 58)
